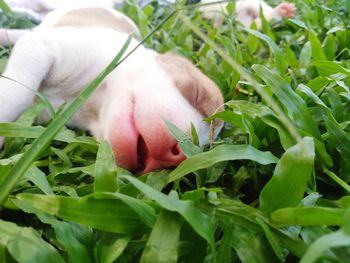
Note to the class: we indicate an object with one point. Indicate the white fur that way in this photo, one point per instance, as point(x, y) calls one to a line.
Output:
point(44, 6)
point(133, 99)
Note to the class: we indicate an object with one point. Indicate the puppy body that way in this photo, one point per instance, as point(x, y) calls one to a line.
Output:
point(129, 107)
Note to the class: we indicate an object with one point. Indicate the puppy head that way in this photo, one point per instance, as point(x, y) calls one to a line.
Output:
point(165, 87)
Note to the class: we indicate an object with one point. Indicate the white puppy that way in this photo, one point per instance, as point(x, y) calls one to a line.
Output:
point(67, 52)
point(247, 11)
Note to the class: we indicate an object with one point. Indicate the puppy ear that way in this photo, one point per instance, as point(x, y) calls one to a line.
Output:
point(201, 92)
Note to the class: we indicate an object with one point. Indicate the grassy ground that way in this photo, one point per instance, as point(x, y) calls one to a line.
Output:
point(273, 187)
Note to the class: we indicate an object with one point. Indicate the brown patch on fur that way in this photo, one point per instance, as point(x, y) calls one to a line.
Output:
point(198, 89)
point(96, 17)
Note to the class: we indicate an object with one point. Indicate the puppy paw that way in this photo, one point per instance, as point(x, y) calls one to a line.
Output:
point(4, 37)
point(286, 10)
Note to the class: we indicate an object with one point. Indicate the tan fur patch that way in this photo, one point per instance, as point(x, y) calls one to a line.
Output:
point(96, 16)
point(198, 89)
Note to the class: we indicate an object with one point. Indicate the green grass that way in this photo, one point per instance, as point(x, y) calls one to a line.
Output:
point(272, 188)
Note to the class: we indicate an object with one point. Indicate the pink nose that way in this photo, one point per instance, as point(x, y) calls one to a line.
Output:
point(144, 150)
point(167, 155)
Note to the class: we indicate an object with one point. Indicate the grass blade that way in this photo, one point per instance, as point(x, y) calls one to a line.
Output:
point(293, 104)
point(106, 169)
point(67, 234)
point(308, 216)
point(163, 244)
point(288, 183)
point(219, 154)
point(336, 239)
point(108, 214)
point(4, 7)
point(26, 246)
point(200, 222)
point(109, 247)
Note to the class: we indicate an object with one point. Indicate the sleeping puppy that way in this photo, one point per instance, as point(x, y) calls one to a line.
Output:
point(70, 49)
point(247, 11)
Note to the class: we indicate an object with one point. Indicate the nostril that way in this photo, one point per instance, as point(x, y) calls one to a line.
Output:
point(142, 152)
point(175, 150)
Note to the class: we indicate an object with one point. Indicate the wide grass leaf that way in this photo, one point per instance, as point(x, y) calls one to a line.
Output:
point(308, 216)
point(26, 246)
point(163, 244)
point(4, 7)
point(108, 214)
point(316, 47)
point(219, 154)
point(20, 130)
point(341, 141)
point(248, 217)
point(106, 169)
point(251, 247)
point(109, 247)
point(331, 67)
point(225, 248)
point(332, 240)
point(254, 110)
point(145, 211)
point(71, 236)
point(200, 222)
point(38, 178)
point(287, 186)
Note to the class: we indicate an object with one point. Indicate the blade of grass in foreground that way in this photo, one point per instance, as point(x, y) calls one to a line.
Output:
point(24, 243)
point(4, 7)
point(308, 216)
point(106, 169)
point(199, 221)
point(163, 243)
point(219, 154)
point(72, 237)
point(317, 249)
point(33, 152)
point(107, 213)
point(287, 186)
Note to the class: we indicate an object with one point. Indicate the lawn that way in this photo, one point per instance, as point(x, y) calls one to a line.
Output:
point(272, 188)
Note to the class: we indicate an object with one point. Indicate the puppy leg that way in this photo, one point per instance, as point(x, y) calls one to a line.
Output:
point(285, 10)
point(282, 10)
point(28, 65)
point(11, 36)
point(248, 11)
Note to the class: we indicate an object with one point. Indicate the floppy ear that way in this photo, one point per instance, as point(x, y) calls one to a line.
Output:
point(201, 92)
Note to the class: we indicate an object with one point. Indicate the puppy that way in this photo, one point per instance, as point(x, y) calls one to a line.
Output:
point(247, 11)
point(71, 48)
